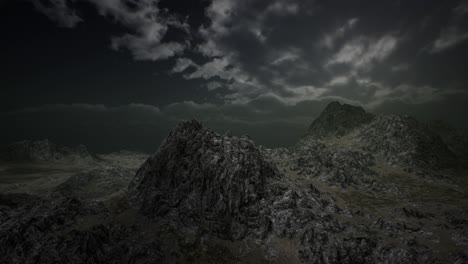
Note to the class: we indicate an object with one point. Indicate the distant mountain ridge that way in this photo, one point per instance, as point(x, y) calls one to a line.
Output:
point(338, 119)
point(45, 150)
point(401, 140)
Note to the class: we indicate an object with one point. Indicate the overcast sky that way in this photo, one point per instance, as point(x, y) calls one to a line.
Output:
point(115, 74)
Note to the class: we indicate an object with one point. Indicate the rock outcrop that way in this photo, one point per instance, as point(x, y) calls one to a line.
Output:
point(61, 229)
point(44, 150)
point(205, 180)
point(406, 142)
point(338, 119)
point(221, 186)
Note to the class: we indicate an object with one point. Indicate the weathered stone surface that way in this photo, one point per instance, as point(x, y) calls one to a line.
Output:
point(61, 229)
point(404, 141)
point(205, 180)
point(338, 119)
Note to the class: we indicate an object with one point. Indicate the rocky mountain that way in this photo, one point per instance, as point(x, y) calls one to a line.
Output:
point(400, 141)
point(404, 141)
point(338, 119)
point(205, 181)
point(205, 197)
point(44, 150)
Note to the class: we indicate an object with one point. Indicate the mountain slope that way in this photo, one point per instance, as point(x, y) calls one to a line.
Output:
point(338, 119)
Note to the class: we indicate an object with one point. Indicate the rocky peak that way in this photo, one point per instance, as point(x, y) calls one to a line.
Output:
point(211, 182)
point(338, 119)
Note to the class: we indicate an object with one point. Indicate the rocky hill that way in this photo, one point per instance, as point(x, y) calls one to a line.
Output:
point(204, 197)
point(207, 181)
point(406, 142)
point(338, 119)
point(221, 187)
point(400, 141)
point(44, 150)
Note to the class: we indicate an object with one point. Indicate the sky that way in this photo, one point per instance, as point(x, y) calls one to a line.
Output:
point(119, 74)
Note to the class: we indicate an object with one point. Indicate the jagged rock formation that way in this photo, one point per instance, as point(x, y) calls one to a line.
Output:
point(44, 150)
point(400, 140)
point(404, 141)
point(61, 229)
point(205, 180)
point(221, 186)
point(338, 119)
point(345, 145)
point(343, 166)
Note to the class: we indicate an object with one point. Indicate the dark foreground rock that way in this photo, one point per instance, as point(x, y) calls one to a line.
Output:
point(61, 229)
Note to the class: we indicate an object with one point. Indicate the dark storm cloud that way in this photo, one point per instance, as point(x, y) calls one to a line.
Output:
point(147, 23)
point(58, 11)
point(264, 65)
point(297, 50)
point(454, 33)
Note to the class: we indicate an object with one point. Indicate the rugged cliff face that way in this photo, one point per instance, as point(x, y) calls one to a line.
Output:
point(205, 180)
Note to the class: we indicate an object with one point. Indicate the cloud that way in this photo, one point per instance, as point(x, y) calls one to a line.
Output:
point(400, 67)
point(146, 23)
point(291, 51)
point(362, 52)
point(215, 68)
point(182, 64)
point(453, 34)
point(448, 38)
point(145, 49)
point(213, 85)
point(58, 11)
point(283, 8)
point(338, 80)
point(286, 56)
point(220, 14)
point(328, 40)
